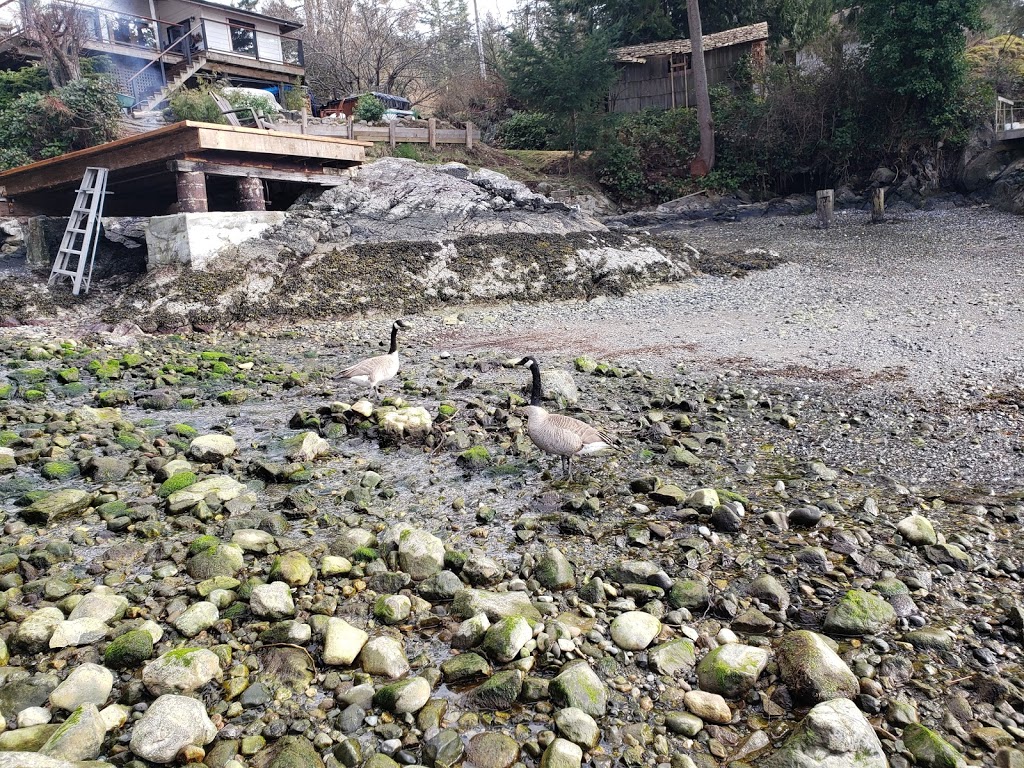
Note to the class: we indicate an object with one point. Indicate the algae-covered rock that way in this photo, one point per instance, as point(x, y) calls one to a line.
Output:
point(505, 639)
point(812, 671)
point(499, 692)
point(57, 505)
point(218, 560)
point(404, 696)
point(931, 750)
point(731, 670)
point(859, 613)
point(175, 483)
point(834, 734)
point(129, 650)
point(577, 685)
point(476, 457)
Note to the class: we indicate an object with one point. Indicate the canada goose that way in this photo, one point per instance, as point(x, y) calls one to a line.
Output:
point(554, 433)
point(374, 371)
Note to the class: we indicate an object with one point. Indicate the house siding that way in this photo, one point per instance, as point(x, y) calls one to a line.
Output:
point(650, 85)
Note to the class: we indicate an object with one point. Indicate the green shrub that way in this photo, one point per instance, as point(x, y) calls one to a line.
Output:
point(37, 125)
point(294, 98)
point(645, 157)
point(368, 108)
point(408, 151)
point(525, 130)
point(195, 104)
point(261, 104)
point(25, 80)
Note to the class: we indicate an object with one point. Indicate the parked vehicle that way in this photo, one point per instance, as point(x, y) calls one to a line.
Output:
point(347, 105)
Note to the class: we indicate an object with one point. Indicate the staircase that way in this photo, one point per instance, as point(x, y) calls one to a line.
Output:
point(176, 77)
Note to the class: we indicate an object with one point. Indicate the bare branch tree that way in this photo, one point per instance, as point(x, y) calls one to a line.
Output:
point(60, 29)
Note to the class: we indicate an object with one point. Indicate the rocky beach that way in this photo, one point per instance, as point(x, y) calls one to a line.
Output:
point(802, 550)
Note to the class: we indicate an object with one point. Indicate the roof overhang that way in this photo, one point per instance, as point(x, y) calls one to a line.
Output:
point(638, 54)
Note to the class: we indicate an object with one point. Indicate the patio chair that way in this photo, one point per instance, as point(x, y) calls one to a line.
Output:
point(250, 117)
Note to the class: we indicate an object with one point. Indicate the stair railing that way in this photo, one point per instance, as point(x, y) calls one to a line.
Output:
point(185, 50)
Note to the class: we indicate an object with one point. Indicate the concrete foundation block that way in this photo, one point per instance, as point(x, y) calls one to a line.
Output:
point(196, 238)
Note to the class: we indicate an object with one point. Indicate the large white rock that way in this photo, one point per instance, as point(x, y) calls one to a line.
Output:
point(212, 448)
point(100, 604)
point(35, 631)
point(342, 642)
point(635, 630)
point(196, 618)
point(420, 554)
point(835, 734)
point(78, 632)
point(170, 724)
point(181, 671)
point(272, 601)
point(384, 656)
point(87, 684)
point(226, 488)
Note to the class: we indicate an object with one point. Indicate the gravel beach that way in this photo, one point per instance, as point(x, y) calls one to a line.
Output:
point(803, 548)
point(935, 299)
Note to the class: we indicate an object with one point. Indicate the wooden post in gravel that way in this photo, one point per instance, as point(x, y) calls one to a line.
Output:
point(878, 205)
point(826, 202)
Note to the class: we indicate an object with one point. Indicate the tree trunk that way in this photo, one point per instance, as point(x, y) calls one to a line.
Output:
point(705, 160)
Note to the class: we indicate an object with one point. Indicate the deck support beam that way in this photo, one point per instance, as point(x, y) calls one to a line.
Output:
point(250, 194)
point(192, 192)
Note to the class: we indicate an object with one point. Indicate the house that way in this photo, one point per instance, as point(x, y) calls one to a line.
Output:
point(660, 75)
point(157, 46)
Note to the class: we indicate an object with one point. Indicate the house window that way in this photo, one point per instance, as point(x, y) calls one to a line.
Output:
point(243, 37)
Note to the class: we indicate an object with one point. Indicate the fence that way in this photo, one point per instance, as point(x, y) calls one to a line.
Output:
point(393, 133)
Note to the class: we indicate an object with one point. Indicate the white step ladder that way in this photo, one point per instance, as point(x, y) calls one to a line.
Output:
point(78, 247)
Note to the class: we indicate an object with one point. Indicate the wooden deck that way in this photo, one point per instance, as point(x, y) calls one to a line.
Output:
point(145, 169)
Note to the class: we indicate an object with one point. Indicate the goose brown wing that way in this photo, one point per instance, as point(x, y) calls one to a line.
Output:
point(585, 432)
point(368, 367)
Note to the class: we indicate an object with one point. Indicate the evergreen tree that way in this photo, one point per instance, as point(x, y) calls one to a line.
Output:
point(561, 66)
point(450, 39)
point(916, 50)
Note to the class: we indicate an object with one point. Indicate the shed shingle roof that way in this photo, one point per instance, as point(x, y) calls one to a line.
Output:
point(638, 53)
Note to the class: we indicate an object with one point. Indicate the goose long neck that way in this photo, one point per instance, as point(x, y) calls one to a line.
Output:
point(394, 340)
point(535, 393)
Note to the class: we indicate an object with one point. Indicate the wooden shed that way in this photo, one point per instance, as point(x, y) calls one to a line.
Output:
point(660, 75)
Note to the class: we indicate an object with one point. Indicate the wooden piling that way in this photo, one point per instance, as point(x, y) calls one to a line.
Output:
point(393, 133)
point(250, 194)
point(192, 192)
point(826, 204)
point(878, 205)
point(432, 132)
point(469, 135)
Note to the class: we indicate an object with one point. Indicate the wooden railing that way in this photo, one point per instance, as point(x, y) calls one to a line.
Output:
point(392, 133)
point(1008, 116)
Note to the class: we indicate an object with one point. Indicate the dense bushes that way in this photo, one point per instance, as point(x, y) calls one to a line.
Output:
point(261, 104)
point(525, 130)
point(38, 125)
point(643, 157)
point(368, 108)
point(195, 104)
point(13, 83)
point(815, 127)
